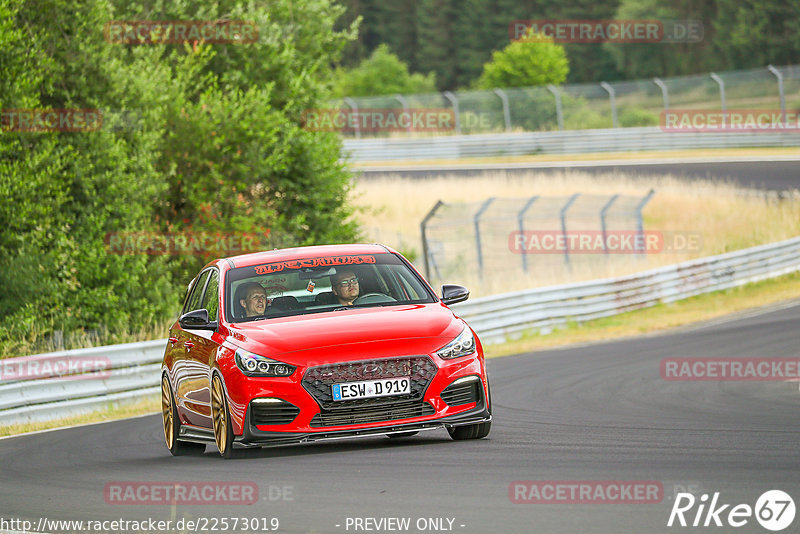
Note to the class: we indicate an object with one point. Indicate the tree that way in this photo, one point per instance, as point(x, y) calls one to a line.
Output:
point(381, 74)
point(756, 33)
point(646, 60)
point(213, 143)
point(533, 61)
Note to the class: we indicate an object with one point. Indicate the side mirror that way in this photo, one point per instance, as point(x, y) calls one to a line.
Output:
point(452, 293)
point(197, 320)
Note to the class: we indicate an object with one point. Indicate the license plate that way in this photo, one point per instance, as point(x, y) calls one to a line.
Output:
point(371, 388)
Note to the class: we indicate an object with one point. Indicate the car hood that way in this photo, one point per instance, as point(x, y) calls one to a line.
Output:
point(422, 328)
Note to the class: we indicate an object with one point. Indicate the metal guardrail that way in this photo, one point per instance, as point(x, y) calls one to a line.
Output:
point(499, 318)
point(565, 142)
point(38, 388)
point(122, 373)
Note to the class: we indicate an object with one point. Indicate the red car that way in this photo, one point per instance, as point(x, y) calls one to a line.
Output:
point(313, 343)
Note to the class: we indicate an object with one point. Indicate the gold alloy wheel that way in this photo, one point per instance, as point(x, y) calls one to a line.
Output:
point(166, 411)
point(219, 415)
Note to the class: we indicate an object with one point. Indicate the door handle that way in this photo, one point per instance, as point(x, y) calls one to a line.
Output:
point(188, 344)
point(173, 340)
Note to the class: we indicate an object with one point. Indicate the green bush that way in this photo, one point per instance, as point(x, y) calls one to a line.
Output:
point(216, 146)
point(537, 61)
point(383, 73)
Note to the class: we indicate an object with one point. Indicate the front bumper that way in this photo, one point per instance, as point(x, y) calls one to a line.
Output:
point(252, 436)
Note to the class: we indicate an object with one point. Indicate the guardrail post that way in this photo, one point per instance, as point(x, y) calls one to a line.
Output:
point(572, 199)
point(506, 110)
point(476, 220)
point(423, 225)
point(603, 220)
point(664, 92)
point(453, 100)
point(559, 111)
point(781, 94)
point(639, 220)
point(352, 103)
point(612, 98)
point(404, 102)
point(721, 83)
point(521, 224)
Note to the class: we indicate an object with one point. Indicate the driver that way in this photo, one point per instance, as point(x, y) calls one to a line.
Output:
point(254, 301)
point(344, 285)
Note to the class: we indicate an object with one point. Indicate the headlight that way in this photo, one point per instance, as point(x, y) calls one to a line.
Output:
point(462, 345)
point(254, 365)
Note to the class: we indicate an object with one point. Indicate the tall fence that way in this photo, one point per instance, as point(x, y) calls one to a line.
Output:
point(512, 237)
point(602, 105)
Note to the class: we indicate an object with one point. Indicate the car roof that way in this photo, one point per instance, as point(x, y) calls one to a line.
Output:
point(318, 251)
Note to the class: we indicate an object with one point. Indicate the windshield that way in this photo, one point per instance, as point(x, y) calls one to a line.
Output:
point(316, 285)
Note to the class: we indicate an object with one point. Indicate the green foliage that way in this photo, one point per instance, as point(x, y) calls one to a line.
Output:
point(633, 117)
point(210, 142)
point(526, 63)
point(757, 33)
point(381, 74)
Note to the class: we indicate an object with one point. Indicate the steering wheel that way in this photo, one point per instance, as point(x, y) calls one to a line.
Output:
point(373, 298)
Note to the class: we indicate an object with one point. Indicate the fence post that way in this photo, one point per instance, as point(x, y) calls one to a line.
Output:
point(453, 100)
point(603, 220)
point(422, 225)
point(721, 84)
point(521, 224)
point(352, 103)
point(778, 75)
point(572, 199)
point(559, 111)
point(664, 92)
point(506, 110)
point(404, 102)
point(612, 98)
point(476, 220)
point(639, 220)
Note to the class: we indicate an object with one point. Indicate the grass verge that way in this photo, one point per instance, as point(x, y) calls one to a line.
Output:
point(148, 405)
point(660, 317)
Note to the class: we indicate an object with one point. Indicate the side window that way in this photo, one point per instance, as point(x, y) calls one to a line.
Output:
point(211, 298)
point(197, 291)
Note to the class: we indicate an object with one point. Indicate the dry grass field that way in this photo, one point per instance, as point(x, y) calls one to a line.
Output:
point(725, 217)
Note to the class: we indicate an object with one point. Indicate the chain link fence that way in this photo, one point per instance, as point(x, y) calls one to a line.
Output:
point(500, 239)
point(586, 106)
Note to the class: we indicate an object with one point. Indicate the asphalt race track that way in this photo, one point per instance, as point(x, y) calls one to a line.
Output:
point(593, 413)
point(767, 174)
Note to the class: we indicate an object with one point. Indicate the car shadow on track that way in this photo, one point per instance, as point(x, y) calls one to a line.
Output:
point(357, 444)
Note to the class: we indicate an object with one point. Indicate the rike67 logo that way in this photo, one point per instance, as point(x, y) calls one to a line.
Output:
point(774, 510)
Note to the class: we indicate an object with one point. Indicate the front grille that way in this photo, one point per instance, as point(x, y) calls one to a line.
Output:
point(272, 412)
point(462, 393)
point(373, 414)
point(318, 380)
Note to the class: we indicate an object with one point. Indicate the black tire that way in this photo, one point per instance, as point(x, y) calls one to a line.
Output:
point(221, 416)
point(400, 435)
point(476, 431)
point(172, 424)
